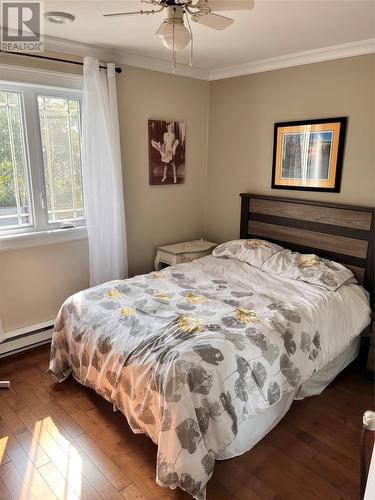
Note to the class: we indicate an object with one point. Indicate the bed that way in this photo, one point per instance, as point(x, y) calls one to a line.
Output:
point(206, 357)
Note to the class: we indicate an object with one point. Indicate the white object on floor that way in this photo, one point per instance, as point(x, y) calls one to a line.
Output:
point(102, 175)
point(179, 253)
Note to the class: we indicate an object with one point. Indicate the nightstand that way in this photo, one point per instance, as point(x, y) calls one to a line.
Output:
point(169, 255)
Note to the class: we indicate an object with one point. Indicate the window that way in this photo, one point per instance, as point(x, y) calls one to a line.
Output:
point(14, 185)
point(60, 132)
point(40, 159)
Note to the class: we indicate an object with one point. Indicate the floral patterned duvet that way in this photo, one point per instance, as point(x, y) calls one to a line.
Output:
point(188, 354)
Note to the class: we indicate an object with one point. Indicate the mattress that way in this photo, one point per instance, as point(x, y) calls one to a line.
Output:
point(193, 354)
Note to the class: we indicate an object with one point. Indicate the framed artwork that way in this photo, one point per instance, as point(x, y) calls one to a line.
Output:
point(308, 155)
point(167, 141)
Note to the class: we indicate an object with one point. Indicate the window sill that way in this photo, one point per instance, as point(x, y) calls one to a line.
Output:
point(41, 238)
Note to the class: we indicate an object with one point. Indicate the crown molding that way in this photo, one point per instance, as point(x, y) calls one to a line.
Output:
point(352, 49)
point(122, 57)
point(163, 66)
point(118, 56)
point(79, 49)
point(105, 54)
point(361, 47)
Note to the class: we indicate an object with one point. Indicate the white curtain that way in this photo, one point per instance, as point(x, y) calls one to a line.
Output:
point(102, 174)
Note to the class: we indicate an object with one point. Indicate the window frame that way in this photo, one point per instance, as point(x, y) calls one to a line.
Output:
point(26, 158)
point(34, 158)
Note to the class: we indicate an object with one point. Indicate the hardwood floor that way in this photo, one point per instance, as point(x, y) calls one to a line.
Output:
point(64, 441)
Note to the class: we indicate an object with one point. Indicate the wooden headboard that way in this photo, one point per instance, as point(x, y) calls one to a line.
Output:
point(343, 233)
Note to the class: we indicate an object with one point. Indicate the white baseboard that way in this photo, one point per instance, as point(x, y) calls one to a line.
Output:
point(25, 338)
point(26, 330)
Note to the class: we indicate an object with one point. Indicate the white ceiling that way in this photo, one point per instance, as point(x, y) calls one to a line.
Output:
point(273, 28)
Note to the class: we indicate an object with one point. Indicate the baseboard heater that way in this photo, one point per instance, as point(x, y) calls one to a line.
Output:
point(26, 338)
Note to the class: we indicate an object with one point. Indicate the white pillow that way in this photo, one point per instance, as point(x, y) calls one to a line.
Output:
point(309, 268)
point(254, 252)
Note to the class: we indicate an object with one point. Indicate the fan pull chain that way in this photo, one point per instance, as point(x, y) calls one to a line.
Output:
point(191, 42)
point(173, 47)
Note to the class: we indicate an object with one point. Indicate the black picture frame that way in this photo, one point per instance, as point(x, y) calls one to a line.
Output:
point(342, 120)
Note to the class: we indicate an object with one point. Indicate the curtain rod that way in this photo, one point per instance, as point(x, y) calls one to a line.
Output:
point(118, 70)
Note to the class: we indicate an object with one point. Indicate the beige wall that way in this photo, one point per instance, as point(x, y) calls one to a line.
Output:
point(243, 111)
point(35, 281)
point(158, 215)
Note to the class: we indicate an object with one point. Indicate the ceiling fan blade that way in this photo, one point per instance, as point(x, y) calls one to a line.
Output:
point(132, 13)
point(218, 5)
point(214, 21)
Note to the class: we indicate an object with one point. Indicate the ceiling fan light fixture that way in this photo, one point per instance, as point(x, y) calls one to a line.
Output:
point(174, 35)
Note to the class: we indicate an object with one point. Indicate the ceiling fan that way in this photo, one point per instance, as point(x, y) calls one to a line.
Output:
point(173, 32)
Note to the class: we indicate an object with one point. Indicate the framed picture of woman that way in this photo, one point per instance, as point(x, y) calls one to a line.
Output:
point(167, 141)
point(308, 155)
